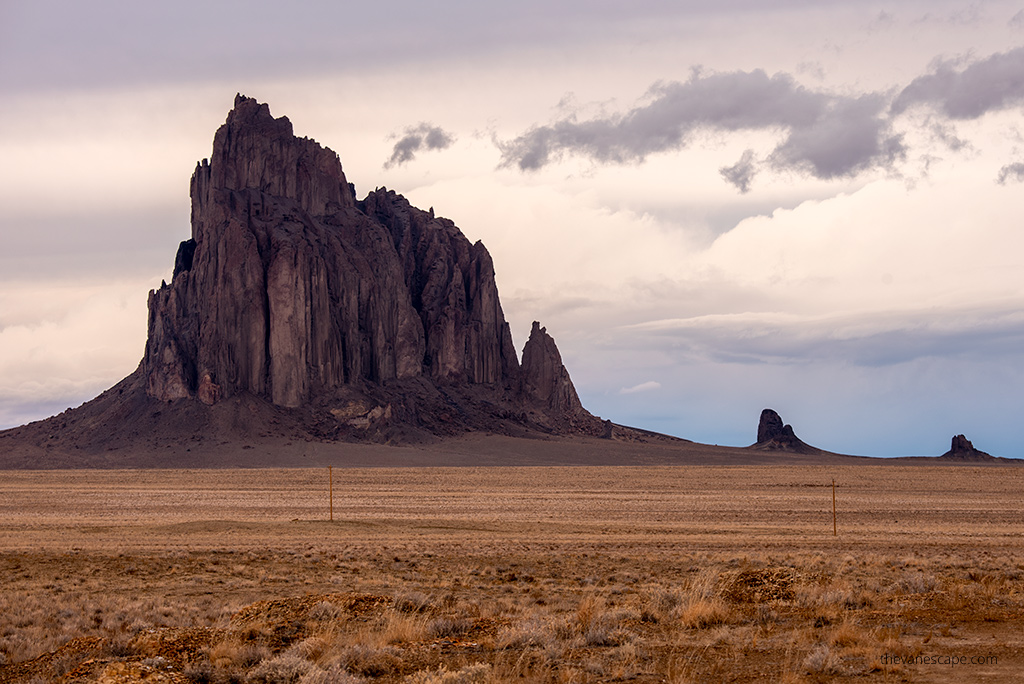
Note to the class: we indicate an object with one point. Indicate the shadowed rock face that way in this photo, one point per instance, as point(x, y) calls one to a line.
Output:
point(773, 435)
point(290, 288)
point(293, 290)
point(286, 288)
point(545, 383)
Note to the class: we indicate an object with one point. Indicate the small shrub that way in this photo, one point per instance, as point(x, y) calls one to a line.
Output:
point(703, 613)
point(369, 661)
point(471, 674)
point(446, 627)
point(284, 669)
point(325, 611)
point(332, 675)
point(915, 583)
point(523, 634)
point(821, 660)
point(414, 602)
point(199, 672)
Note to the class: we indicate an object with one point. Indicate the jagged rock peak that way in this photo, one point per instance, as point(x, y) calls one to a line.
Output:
point(770, 427)
point(292, 291)
point(773, 435)
point(961, 449)
point(441, 270)
point(544, 381)
point(254, 150)
point(288, 289)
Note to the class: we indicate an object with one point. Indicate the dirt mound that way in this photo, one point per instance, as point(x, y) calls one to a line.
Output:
point(311, 606)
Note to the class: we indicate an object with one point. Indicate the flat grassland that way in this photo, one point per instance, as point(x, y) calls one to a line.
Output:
point(564, 574)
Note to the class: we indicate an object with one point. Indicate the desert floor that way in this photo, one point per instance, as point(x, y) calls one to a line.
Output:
point(570, 574)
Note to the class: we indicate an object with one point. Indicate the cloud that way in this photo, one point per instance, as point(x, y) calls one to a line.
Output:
point(741, 173)
point(947, 136)
point(991, 84)
point(416, 138)
point(828, 136)
point(848, 137)
point(642, 387)
point(854, 339)
point(1011, 172)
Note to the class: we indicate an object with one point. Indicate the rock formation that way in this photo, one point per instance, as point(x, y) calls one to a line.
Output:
point(545, 387)
point(773, 435)
point(366, 319)
point(961, 449)
point(286, 289)
point(293, 290)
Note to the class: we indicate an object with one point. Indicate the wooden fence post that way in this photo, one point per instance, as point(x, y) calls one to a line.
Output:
point(330, 477)
point(834, 530)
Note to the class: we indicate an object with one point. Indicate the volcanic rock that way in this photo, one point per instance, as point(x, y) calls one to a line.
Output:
point(961, 449)
point(292, 290)
point(773, 435)
point(547, 390)
point(286, 288)
point(328, 317)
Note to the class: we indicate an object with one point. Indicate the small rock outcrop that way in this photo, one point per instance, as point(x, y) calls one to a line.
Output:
point(774, 435)
point(961, 449)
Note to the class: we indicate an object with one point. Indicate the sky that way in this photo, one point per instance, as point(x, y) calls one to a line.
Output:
point(714, 208)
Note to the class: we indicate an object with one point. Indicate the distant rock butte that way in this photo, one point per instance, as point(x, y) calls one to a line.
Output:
point(773, 435)
point(961, 449)
point(366, 320)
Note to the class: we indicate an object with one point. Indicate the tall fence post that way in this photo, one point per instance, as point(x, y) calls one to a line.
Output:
point(330, 478)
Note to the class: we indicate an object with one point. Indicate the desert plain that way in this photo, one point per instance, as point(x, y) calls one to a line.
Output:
point(703, 571)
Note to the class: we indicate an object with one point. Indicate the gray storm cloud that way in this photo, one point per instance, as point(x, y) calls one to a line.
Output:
point(1011, 172)
point(828, 135)
point(416, 138)
point(994, 83)
point(741, 174)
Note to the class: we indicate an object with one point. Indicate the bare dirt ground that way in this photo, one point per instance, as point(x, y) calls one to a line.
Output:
point(568, 574)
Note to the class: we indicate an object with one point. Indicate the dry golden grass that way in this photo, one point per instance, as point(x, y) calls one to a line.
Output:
point(689, 574)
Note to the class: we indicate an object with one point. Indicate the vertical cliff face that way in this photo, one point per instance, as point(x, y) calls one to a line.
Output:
point(286, 289)
point(451, 285)
point(290, 288)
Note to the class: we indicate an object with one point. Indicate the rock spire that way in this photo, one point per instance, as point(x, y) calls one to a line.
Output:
point(773, 435)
